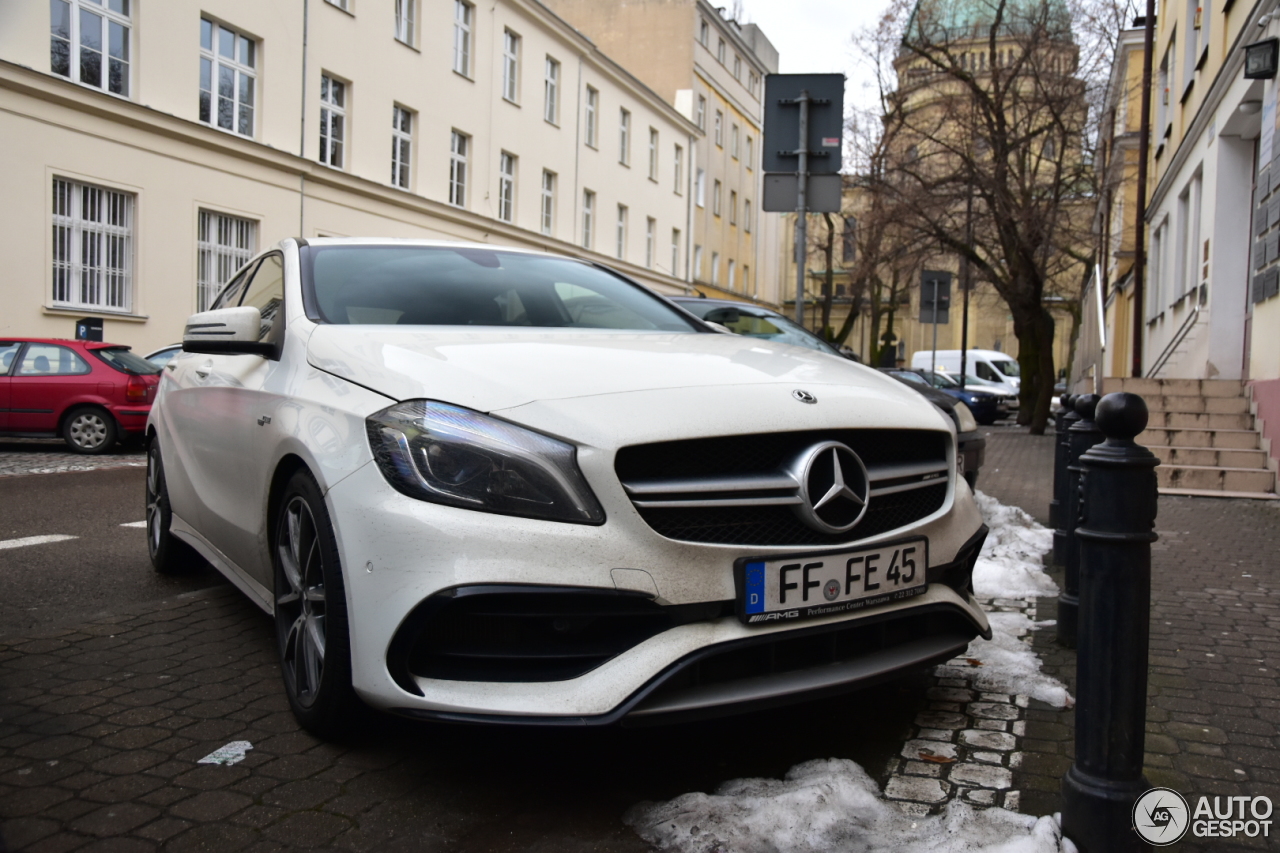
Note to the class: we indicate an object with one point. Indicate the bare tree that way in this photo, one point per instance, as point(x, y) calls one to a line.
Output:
point(985, 106)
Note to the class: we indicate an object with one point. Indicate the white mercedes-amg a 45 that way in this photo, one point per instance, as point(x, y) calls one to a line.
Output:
point(483, 484)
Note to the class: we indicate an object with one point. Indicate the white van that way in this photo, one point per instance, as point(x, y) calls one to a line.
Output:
point(986, 364)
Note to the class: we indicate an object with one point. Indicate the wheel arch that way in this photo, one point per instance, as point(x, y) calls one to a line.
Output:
point(289, 464)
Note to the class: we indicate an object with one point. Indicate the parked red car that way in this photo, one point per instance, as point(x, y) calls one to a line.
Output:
point(88, 393)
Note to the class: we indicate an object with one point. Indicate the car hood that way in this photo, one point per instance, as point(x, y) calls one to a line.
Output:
point(490, 370)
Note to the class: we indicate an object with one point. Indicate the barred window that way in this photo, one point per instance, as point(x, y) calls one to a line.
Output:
point(333, 120)
point(401, 145)
point(507, 187)
point(89, 42)
point(458, 169)
point(92, 247)
point(223, 245)
point(227, 78)
point(462, 15)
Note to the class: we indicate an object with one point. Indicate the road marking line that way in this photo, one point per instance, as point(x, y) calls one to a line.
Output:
point(34, 540)
point(134, 524)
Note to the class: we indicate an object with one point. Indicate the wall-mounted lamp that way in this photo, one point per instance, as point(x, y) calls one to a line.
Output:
point(1260, 59)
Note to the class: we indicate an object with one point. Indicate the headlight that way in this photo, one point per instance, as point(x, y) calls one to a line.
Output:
point(966, 422)
point(449, 455)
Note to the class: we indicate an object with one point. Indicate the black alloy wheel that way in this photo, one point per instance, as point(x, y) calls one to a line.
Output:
point(167, 553)
point(311, 612)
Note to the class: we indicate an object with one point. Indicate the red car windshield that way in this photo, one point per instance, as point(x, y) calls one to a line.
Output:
point(126, 361)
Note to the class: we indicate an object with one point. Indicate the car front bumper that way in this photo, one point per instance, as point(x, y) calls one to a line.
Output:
point(398, 552)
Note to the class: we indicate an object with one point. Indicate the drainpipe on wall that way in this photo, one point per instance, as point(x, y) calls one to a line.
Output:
point(1140, 223)
point(302, 128)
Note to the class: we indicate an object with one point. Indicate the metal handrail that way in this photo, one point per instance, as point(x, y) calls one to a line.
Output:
point(1178, 338)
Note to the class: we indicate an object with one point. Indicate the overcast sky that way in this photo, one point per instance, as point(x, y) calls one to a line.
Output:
point(812, 36)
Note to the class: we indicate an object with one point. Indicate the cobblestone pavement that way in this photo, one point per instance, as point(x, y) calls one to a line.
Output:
point(51, 456)
point(1213, 712)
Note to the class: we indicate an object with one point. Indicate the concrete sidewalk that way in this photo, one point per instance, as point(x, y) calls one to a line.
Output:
point(1213, 709)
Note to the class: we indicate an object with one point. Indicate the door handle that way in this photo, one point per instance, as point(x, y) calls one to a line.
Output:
point(203, 370)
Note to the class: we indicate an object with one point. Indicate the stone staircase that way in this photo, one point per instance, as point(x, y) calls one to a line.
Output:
point(1205, 436)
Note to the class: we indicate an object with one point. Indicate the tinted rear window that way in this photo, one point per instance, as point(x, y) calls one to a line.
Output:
point(127, 361)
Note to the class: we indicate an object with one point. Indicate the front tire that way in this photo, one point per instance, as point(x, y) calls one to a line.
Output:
point(168, 555)
point(311, 612)
point(90, 430)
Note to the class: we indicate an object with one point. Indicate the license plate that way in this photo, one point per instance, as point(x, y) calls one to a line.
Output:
point(775, 589)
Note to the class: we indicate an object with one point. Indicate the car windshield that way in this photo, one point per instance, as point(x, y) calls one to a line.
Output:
point(941, 380)
point(1007, 367)
point(908, 376)
point(129, 362)
point(448, 286)
point(757, 323)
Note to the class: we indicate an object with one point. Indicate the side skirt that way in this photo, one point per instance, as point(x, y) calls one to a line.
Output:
point(257, 593)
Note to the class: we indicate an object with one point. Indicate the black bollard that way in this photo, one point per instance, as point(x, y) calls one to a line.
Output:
point(1059, 462)
point(1082, 435)
point(1069, 418)
point(1115, 533)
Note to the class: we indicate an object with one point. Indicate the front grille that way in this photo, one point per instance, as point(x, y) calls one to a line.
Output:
point(737, 489)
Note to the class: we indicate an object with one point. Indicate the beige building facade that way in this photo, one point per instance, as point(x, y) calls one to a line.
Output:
point(154, 146)
point(712, 70)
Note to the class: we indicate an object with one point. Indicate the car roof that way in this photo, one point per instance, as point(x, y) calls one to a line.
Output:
point(321, 242)
point(64, 342)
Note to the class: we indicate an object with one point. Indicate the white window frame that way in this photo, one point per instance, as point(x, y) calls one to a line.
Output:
point(620, 246)
point(753, 87)
point(593, 110)
point(213, 64)
point(720, 51)
point(733, 274)
point(678, 159)
point(697, 262)
point(751, 151)
point(719, 129)
point(406, 17)
point(551, 91)
point(675, 250)
point(402, 121)
point(463, 17)
point(224, 244)
point(737, 68)
point(733, 141)
point(733, 207)
point(333, 121)
point(624, 136)
point(459, 143)
point(653, 154)
point(588, 217)
point(511, 66)
point(715, 268)
point(700, 188)
point(110, 54)
point(547, 209)
point(700, 115)
point(93, 244)
point(650, 235)
point(746, 216)
point(507, 187)
point(704, 32)
point(716, 189)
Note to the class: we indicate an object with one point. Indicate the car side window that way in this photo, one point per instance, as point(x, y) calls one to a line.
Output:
point(8, 352)
point(985, 372)
point(266, 292)
point(51, 360)
point(230, 295)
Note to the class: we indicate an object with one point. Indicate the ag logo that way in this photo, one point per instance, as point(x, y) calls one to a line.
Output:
point(831, 590)
point(1161, 817)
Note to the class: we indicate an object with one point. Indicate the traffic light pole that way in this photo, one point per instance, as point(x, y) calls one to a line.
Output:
point(802, 207)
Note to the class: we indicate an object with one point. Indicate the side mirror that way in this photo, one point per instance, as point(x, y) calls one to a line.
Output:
point(226, 331)
point(723, 316)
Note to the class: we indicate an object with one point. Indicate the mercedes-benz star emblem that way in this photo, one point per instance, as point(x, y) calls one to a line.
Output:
point(804, 396)
point(834, 487)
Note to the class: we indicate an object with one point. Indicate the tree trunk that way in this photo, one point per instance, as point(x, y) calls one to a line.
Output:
point(1034, 329)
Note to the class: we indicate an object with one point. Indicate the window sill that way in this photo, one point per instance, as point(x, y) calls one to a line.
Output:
point(511, 102)
point(339, 8)
point(464, 76)
point(652, 179)
point(554, 124)
point(229, 131)
point(66, 311)
point(409, 45)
